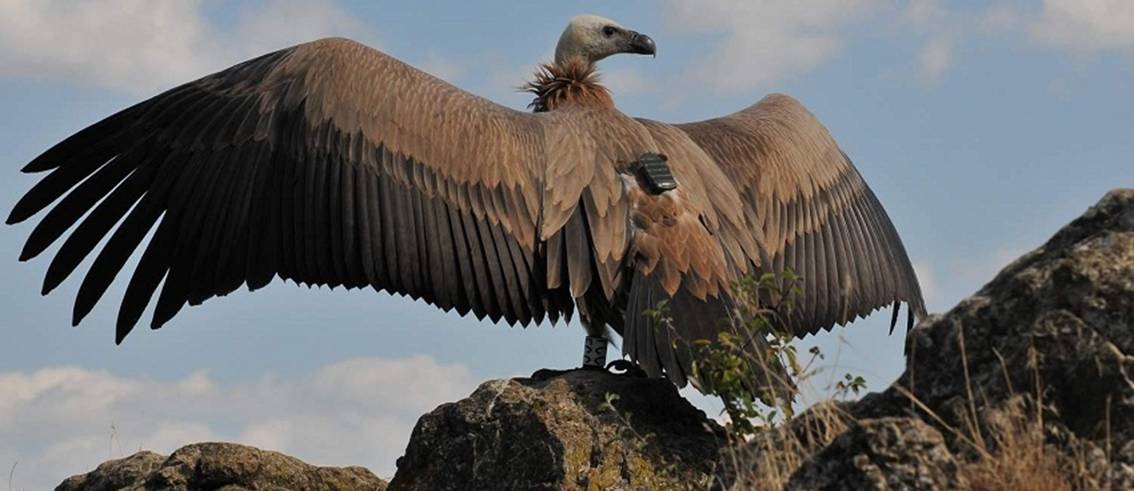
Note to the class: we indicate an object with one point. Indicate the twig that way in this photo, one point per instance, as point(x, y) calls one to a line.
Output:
point(941, 421)
point(1004, 370)
point(975, 425)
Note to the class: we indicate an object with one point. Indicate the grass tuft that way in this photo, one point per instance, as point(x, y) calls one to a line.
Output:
point(756, 370)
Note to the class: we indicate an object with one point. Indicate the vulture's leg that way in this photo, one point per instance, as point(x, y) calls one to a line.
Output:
point(594, 348)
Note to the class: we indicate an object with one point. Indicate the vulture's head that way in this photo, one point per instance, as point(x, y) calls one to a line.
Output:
point(592, 38)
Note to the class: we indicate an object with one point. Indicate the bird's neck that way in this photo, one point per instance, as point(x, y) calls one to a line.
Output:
point(573, 82)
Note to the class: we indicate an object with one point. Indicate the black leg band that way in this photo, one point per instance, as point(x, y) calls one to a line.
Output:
point(594, 352)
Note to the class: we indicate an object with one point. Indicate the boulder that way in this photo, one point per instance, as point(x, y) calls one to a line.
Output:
point(219, 466)
point(579, 430)
point(883, 453)
point(127, 473)
point(1036, 366)
point(1057, 324)
point(1027, 384)
point(1047, 347)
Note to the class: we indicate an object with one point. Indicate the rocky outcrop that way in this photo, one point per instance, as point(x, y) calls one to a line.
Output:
point(882, 453)
point(1028, 384)
point(1042, 357)
point(1047, 347)
point(1057, 322)
point(128, 473)
point(579, 430)
point(219, 466)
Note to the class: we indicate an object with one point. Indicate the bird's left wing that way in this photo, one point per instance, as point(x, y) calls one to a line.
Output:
point(810, 211)
point(328, 163)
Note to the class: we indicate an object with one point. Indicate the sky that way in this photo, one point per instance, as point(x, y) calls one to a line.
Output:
point(982, 127)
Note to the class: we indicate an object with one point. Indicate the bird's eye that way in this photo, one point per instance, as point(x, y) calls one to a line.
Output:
point(609, 31)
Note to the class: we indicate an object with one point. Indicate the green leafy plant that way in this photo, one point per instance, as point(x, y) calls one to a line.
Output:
point(850, 384)
point(754, 365)
point(747, 365)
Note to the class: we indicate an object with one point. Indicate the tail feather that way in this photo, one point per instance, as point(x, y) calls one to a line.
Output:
point(668, 346)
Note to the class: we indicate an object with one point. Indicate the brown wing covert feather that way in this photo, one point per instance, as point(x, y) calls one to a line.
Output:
point(327, 163)
point(811, 212)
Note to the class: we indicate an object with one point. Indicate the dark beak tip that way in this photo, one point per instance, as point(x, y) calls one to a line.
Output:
point(643, 44)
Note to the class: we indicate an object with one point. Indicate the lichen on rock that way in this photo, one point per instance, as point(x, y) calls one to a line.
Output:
point(1027, 384)
point(220, 466)
point(561, 433)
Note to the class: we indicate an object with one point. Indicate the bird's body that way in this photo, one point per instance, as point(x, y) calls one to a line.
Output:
point(331, 163)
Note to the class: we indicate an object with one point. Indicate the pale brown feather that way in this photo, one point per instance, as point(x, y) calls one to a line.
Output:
point(290, 128)
point(810, 211)
point(332, 163)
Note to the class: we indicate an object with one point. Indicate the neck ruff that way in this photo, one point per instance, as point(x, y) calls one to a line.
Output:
point(573, 83)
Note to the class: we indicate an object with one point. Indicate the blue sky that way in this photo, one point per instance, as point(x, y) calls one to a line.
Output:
point(982, 127)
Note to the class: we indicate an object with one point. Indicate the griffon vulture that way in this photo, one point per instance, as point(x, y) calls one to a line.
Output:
point(331, 163)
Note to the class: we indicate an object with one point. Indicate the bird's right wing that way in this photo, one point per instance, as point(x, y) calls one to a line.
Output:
point(326, 163)
point(811, 212)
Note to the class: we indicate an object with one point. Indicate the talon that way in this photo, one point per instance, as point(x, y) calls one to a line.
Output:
point(626, 367)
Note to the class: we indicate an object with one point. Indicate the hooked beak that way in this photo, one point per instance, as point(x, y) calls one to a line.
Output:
point(641, 44)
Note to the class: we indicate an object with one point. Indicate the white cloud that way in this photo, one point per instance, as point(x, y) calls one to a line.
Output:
point(1085, 26)
point(57, 422)
point(939, 27)
point(764, 41)
point(925, 13)
point(935, 58)
point(144, 46)
point(280, 23)
point(1080, 27)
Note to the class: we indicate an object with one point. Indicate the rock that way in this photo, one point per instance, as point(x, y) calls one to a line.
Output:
point(1028, 384)
point(558, 433)
point(1043, 355)
point(112, 475)
point(1037, 366)
point(1058, 323)
point(220, 466)
point(884, 453)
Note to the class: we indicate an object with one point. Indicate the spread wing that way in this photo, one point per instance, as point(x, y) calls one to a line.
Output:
point(811, 212)
point(327, 163)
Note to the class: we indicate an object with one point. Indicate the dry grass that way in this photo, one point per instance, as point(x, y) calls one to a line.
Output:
point(766, 462)
point(998, 446)
point(1013, 451)
point(1015, 455)
point(1018, 457)
point(1005, 447)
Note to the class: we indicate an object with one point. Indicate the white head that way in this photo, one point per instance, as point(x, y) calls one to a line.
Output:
point(593, 38)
